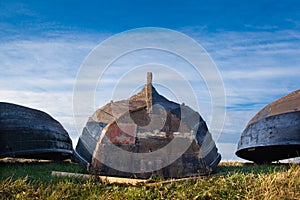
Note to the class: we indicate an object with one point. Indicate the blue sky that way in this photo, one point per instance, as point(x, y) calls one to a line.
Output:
point(254, 44)
point(115, 16)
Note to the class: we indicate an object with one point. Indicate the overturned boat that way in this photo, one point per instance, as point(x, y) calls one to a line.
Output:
point(274, 132)
point(144, 135)
point(30, 133)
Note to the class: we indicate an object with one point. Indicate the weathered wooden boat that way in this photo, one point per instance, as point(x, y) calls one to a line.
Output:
point(147, 123)
point(274, 132)
point(30, 133)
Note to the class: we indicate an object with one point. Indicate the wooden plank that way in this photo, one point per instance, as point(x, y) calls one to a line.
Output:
point(184, 179)
point(73, 175)
point(107, 179)
point(131, 181)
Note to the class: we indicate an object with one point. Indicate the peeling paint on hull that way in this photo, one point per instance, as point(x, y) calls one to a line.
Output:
point(274, 132)
point(147, 122)
point(271, 139)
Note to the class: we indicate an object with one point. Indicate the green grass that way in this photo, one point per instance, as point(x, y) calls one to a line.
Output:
point(33, 180)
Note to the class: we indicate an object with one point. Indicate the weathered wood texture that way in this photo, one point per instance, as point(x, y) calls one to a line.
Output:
point(106, 179)
point(274, 132)
point(166, 121)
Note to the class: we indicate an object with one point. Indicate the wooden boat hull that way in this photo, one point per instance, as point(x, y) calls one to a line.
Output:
point(92, 153)
point(274, 132)
point(87, 142)
point(271, 139)
point(30, 133)
point(147, 122)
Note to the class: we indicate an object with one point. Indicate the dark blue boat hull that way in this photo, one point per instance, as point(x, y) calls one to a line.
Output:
point(30, 133)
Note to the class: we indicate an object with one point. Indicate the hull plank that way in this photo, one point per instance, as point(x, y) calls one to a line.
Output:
point(30, 133)
point(147, 122)
point(274, 133)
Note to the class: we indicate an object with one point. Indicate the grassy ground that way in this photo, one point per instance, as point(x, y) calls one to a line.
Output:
point(33, 180)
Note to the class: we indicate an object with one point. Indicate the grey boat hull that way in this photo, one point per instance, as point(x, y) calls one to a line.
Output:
point(272, 138)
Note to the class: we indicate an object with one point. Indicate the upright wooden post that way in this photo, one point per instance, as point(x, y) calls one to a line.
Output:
point(149, 92)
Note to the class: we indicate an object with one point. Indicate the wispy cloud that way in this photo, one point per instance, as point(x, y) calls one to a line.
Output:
point(265, 73)
point(257, 68)
point(40, 73)
point(11, 9)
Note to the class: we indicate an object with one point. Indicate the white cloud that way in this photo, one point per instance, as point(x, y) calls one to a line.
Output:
point(55, 103)
point(227, 151)
point(257, 68)
point(264, 73)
